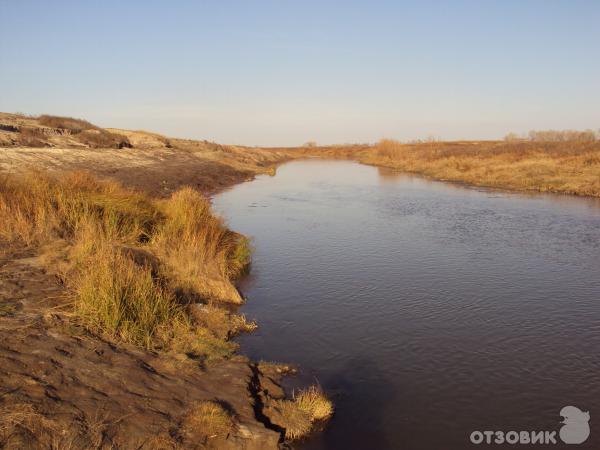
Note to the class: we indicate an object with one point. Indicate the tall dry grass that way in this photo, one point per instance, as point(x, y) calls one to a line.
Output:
point(202, 255)
point(568, 167)
point(134, 264)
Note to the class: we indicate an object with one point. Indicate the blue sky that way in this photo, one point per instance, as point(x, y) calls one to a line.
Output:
point(285, 72)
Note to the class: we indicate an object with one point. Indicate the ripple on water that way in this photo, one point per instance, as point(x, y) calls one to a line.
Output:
point(428, 310)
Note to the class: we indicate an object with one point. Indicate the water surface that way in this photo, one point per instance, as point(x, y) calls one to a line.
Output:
point(427, 310)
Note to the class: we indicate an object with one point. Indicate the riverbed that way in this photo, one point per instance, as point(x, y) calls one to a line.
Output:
point(427, 310)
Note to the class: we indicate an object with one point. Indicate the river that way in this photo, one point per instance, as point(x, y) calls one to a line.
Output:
point(427, 310)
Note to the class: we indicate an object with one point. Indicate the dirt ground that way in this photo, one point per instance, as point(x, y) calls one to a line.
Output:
point(62, 387)
point(158, 172)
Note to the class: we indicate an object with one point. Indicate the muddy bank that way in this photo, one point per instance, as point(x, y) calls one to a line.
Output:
point(62, 384)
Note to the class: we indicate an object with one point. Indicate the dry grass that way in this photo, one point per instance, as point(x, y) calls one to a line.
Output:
point(6, 309)
point(82, 131)
point(23, 426)
point(223, 323)
point(201, 254)
point(133, 263)
point(563, 167)
point(31, 137)
point(20, 423)
point(286, 414)
point(67, 123)
point(103, 139)
point(300, 415)
point(315, 403)
point(207, 418)
point(566, 162)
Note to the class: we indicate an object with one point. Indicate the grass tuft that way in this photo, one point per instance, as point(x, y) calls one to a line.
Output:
point(300, 415)
point(315, 403)
point(207, 418)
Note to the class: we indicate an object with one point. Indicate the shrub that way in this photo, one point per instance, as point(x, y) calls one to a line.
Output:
point(562, 136)
point(66, 123)
point(31, 137)
point(103, 139)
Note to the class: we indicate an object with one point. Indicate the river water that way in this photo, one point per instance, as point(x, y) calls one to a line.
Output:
point(427, 310)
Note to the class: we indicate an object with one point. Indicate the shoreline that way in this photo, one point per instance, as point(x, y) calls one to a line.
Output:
point(128, 377)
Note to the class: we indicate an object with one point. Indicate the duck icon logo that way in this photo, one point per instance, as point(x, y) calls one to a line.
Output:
point(575, 429)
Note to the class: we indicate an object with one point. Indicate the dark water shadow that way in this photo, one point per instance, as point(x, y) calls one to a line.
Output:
point(362, 395)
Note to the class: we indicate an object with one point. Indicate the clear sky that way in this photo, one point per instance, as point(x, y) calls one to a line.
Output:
point(285, 72)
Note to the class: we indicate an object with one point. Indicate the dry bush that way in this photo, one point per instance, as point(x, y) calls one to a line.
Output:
point(86, 132)
point(299, 415)
point(31, 137)
point(124, 256)
point(562, 136)
point(103, 139)
point(66, 123)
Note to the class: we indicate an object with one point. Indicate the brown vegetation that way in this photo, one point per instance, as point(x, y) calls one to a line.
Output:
point(300, 415)
point(133, 263)
point(546, 162)
point(102, 139)
point(207, 418)
point(31, 137)
point(563, 167)
point(67, 123)
point(555, 136)
point(47, 131)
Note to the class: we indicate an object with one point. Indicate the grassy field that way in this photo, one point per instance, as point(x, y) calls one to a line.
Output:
point(559, 166)
point(571, 167)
